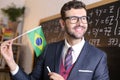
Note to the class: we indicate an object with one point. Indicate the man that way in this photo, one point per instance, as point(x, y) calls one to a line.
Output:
point(84, 62)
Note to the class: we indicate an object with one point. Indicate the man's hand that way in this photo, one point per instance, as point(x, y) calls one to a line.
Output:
point(6, 52)
point(55, 76)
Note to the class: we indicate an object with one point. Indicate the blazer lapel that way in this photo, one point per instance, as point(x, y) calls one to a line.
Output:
point(58, 56)
point(79, 63)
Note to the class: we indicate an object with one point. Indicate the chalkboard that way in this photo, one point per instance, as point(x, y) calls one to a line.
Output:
point(104, 25)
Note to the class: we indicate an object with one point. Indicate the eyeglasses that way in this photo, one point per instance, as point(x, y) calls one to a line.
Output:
point(75, 19)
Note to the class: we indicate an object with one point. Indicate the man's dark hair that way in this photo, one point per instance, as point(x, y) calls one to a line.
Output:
point(71, 4)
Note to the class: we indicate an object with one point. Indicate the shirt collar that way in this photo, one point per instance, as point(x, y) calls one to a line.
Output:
point(76, 46)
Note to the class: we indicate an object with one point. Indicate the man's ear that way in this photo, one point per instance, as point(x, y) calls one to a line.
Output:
point(62, 23)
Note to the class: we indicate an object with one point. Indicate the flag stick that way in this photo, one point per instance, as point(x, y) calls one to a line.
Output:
point(26, 33)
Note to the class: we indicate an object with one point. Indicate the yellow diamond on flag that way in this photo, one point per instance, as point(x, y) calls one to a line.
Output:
point(38, 41)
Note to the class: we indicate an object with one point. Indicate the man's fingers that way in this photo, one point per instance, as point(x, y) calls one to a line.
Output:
point(6, 43)
point(55, 76)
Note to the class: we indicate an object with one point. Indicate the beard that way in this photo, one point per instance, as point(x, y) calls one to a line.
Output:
point(73, 35)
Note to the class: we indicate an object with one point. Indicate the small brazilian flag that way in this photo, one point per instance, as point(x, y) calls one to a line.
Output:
point(37, 39)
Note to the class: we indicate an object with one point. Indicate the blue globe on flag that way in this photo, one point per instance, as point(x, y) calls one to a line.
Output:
point(38, 41)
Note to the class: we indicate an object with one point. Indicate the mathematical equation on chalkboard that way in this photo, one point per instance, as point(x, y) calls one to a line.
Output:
point(104, 25)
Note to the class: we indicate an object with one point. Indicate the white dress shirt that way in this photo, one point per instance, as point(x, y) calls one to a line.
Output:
point(76, 50)
point(15, 71)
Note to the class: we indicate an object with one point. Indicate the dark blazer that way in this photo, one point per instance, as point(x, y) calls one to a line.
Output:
point(90, 65)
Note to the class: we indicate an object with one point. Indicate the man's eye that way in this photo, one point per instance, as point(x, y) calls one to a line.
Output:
point(73, 18)
point(84, 18)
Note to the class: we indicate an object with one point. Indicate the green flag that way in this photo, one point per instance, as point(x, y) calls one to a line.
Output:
point(37, 39)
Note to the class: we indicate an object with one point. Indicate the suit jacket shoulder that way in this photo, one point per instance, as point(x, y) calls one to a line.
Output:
point(90, 65)
point(94, 50)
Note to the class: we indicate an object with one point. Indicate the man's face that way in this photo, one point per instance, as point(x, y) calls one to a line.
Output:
point(75, 29)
